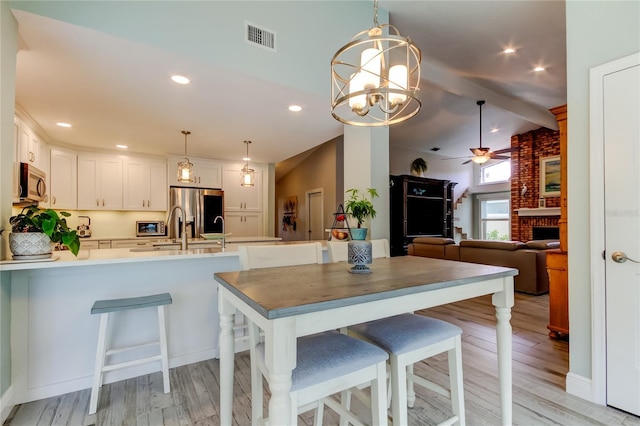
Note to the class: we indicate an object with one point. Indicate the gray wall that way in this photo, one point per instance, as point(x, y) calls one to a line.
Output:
point(597, 32)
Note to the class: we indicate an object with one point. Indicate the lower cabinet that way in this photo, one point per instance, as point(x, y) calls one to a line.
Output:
point(243, 224)
point(558, 294)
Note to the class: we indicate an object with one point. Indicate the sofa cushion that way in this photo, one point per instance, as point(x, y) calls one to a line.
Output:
point(490, 244)
point(543, 244)
point(434, 240)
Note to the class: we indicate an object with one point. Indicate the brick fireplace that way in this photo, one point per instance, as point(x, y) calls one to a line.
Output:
point(525, 173)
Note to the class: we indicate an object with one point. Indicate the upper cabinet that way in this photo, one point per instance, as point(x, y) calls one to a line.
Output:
point(145, 184)
point(63, 179)
point(206, 173)
point(29, 146)
point(100, 182)
point(238, 197)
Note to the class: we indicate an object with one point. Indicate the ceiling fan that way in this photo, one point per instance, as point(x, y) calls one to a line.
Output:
point(483, 154)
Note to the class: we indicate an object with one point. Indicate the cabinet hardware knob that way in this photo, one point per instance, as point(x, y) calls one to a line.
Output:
point(53, 199)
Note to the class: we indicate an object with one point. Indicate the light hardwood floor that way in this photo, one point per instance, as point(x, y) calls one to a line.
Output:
point(539, 368)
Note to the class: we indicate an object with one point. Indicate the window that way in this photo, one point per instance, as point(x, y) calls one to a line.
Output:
point(496, 172)
point(494, 217)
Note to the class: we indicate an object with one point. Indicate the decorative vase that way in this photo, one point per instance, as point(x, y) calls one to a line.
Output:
point(360, 256)
point(30, 245)
point(359, 233)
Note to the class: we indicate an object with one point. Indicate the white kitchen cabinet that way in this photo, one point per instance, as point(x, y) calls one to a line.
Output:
point(238, 197)
point(243, 224)
point(145, 184)
point(99, 182)
point(30, 145)
point(63, 179)
point(89, 245)
point(206, 173)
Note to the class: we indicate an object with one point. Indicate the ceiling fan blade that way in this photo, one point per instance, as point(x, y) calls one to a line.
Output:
point(504, 151)
point(455, 158)
point(468, 161)
point(500, 157)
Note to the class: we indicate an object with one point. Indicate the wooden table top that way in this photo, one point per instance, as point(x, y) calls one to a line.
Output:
point(292, 290)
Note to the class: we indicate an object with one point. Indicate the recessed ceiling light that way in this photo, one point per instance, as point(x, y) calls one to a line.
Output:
point(246, 158)
point(495, 130)
point(295, 108)
point(122, 146)
point(180, 79)
point(61, 124)
point(538, 69)
point(509, 50)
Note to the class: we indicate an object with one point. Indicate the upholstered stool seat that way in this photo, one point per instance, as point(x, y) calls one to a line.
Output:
point(104, 308)
point(410, 338)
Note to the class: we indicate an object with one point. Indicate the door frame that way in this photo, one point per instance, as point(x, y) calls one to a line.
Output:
point(307, 196)
point(597, 223)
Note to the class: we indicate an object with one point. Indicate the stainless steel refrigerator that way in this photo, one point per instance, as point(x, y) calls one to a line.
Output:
point(201, 206)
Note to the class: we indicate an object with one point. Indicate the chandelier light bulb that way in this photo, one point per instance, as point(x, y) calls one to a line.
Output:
point(370, 64)
point(356, 84)
point(397, 80)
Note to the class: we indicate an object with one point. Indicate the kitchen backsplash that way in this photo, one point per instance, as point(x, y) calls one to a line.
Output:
point(109, 224)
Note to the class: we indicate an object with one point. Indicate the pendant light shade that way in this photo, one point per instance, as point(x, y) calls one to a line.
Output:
point(375, 77)
point(185, 168)
point(246, 174)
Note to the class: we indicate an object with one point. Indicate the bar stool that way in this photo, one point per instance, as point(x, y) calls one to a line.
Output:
point(409, 338)
point(104, 308)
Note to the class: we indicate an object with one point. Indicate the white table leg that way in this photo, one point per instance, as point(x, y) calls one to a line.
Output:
point(227, 349)
point(280, 359)
point(503, 302)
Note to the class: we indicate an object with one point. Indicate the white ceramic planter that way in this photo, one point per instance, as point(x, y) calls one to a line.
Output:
point(30, 245)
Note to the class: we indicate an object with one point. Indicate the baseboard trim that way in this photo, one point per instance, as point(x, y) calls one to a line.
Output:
point(62, 388)
point(6, 404)
point(580, 387)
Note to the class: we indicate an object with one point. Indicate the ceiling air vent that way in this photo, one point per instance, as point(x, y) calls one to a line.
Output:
point(260, 37)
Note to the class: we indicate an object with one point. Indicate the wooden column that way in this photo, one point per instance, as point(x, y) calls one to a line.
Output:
point(557, 259)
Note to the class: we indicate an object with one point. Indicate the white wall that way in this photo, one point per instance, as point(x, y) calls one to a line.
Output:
point(8, 48)
point(597, 32)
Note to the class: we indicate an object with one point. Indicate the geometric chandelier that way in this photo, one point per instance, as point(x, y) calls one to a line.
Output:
point(375, 78)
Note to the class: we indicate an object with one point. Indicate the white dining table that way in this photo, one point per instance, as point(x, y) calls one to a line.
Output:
point(289, 302)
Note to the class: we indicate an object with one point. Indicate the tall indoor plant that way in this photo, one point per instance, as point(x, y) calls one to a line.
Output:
point(360, 208)
point(34, 229)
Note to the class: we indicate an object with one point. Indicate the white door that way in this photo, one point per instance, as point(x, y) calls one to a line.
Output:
point(622, 235)
point(315, 229)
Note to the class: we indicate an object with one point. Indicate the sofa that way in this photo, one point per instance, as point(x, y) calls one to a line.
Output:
point(528, 258)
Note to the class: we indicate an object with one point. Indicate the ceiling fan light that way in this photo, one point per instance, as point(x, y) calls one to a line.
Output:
point(480, 159)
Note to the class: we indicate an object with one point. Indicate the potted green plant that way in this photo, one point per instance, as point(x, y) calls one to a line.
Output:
point(360, 208)
point(34, 229)
point(418, 167)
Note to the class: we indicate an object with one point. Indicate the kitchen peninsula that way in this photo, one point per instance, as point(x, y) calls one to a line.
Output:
point(54, 335)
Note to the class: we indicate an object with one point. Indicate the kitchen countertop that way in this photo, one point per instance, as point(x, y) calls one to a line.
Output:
point(88, 257)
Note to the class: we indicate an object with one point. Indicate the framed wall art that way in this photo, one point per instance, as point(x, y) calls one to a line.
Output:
point(550, 176)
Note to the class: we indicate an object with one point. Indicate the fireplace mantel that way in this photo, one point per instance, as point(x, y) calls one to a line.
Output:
point(546, 211)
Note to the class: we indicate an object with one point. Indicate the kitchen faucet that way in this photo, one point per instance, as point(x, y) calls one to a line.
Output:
point(223, 234)
point(183, 237)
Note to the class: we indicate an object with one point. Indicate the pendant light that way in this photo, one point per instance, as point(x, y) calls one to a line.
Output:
point(247, 174)
point(375, 78)
point(185, 168)
point(481, 154)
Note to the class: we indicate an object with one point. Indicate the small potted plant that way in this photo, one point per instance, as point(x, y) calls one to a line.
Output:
point(360, 208)
point(34, 229)
point(418, 167)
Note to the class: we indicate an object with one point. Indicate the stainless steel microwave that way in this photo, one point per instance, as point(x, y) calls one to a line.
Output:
point(150, 228)
point(32, 184)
